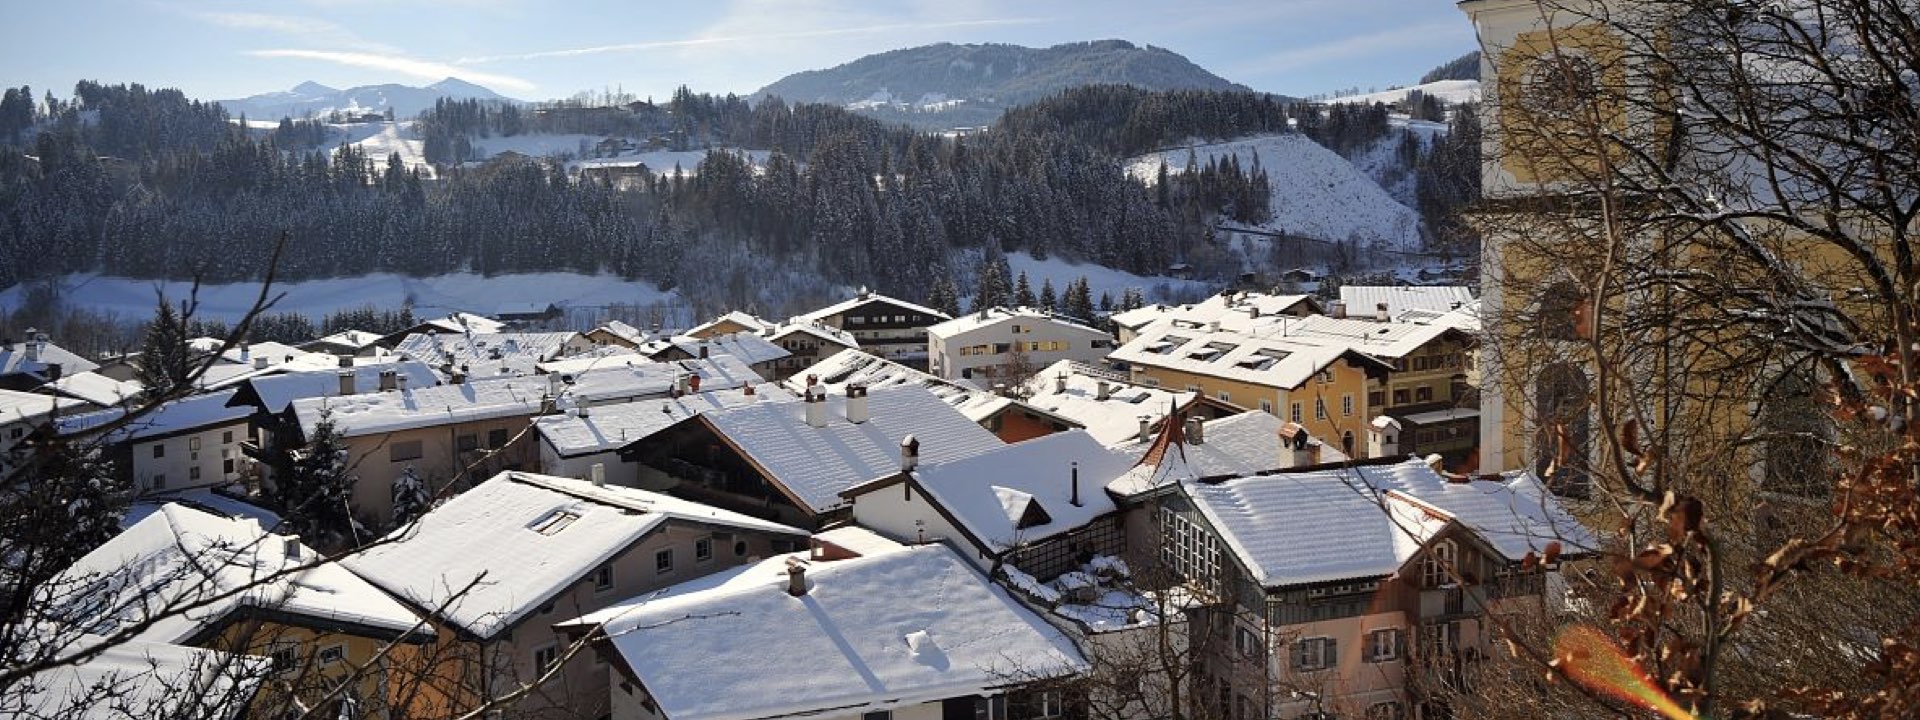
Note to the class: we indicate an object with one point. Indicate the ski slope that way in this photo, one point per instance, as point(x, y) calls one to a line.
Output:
point(1450, 91)
point(1315, 192)
point(380, 140)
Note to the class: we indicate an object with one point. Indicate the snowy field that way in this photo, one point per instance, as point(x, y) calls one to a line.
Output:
point(1316, 193)
point(134, 299)
point(1451, 91)
point(1102, 279)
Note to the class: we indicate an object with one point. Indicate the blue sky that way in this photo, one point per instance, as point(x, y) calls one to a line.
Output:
point(537, 50)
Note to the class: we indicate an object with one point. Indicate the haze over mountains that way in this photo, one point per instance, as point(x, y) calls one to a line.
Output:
point(312, 98)
point(947, 85)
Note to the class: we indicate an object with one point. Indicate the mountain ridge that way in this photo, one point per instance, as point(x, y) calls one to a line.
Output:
point(312, 98)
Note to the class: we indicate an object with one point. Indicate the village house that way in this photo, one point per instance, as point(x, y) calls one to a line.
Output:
point(498, 566)
point(911, 632)
point(191, 442)
point(806, 343)
point(732, 322)
point(1002, 345)
point(1394, 302)
point(353, 343)
point(250, 592)
point(21, 416)
point(756, 351)
point(891, 328)
point(1227, 308)
point(1105, 402)
point(274, 429)
point(572, 444)
point(1429, 391)
point(789, 458)
point(1005, 415)
point(30, 363)
point(616, 334)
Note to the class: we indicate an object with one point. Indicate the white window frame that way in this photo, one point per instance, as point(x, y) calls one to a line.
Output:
point(1346, 405)
point(1312, 654)
point(603, 578)
point(334, 653)
point(1319, 408)
point(1434, 567)
point(1383, 645)
point(287, 666)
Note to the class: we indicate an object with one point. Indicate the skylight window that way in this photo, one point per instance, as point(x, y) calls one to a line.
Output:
point(1212, 351)
point(1262, 359)
point(554, 522)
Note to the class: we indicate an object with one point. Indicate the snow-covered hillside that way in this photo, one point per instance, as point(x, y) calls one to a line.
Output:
point(1316, 193)
point(1102, 279)
point(1451, 91)
point(379, 140)
point(316, 100)
point(1381, 161)
point(134, 299)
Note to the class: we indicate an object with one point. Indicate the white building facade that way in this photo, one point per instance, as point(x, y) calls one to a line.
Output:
point(988, 344)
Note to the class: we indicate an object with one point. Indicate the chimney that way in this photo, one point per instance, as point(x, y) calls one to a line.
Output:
point(457, 377)
point(857, 404)
point(813, 380)
point(389, 379)
point(693, 382)
point(246, 353)
point(1146, 428)
point(399, 381)
point(816, 409)
point(260, 363)
point(703, 348)
point(1380, 312)
point(796, 577)
point(1338, 309)
point(33, 345)
point(555, 384)
point(54, 371)
point(1060, 384)
point(1298, 443)
point(747, 390)
point(909, 453)
point(1076, 484)
point(346, 382)
point(1102, 391)
point(346, 361)
point(598, 474)
point(1196, 430)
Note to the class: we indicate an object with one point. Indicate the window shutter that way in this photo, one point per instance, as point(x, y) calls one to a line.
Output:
point(1332, 656)
point(1299, 656)
point(1399, 644)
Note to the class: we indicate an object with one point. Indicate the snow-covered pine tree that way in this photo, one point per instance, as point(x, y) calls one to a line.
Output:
point(993, 286)
point(1023, 292)
point(411, 497)
point(1049, 300)
point(166, 363)
point(943, 296)
point(312, 498)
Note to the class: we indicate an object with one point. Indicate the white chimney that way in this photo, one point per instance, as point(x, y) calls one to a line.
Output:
point(1196, 430)
point(598, 474)
point(1060, 384)
point(260, 363)
point(1103, 390)
point(1297, 443)
point(857, 404)
point(1380, 312)
point(816, 409)
point(909, 453)
point(1146, 428)
point(347, 378)
point(555, 385)
point(1338, 309)
point(796, 577)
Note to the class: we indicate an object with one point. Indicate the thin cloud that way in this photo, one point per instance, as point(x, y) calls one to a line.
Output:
point(318, 31)
point(752, 38)
point(423, 69)
point(1370, 44)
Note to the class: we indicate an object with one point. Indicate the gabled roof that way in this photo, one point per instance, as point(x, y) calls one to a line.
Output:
point(600, 358)
point(819, 331)
point(1379, 339)
point(996, 495)
point(494, 554)
point(94, 388)
point(187, 414)
point(853, 367)
point(18, 406)
point(369, 413)
point(247, 353)
point(748, 346)
point(275, 392)
point(1361, 300)
point(869, 298)
point(143, 679)
point(1231, 309)
point(651, 380)
point(356, 339)
point(1268, 361)
point(13, 360)
point(813, 464)
point(877, 633)
point(607, 428)
point(623, 331)
point(1113, 420)
point(744, 320)
point(486, 354)
point(180, 556)
point(994, 316)
point(1242, 444)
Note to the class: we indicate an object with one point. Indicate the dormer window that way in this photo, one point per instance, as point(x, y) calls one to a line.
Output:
point(554, 522)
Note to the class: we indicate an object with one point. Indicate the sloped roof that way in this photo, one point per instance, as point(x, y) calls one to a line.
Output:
point(486, 353)
point(94, 388)
point(991, 493)
point(16, 406)
point(276, 392)
point(1379, 339)
point(815, 464)
point(811, 327)
point(867, 298)
point(609, 427)
point(13, 360)
point(1361, 300)
point(175, 416)
point(355, 339)
point(1111, 421)
point(749, 347)
point(972, 321)
point(745, 320)
point(1242, 444)
point(1268, 361)
point(180, 556)
point(488, 544)
point(143, 679)
point(623, 331)
point(878, 633)
point(1231, 309)
point(849, 367)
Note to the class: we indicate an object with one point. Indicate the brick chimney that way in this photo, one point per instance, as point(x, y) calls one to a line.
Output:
point(693, 382)
point(857, 411)
point(1196, 430)
point(1297, 443)
point(747, 390)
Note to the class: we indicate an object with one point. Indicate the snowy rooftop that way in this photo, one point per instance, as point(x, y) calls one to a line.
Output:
point(204, 500)
point(749, 347)
point(461, 323)
point(94, 388)
point(486, 353)
point(17, 406)
point(815, 463)
point(1023, 492)
point(972, 321)
point(1368, 520)
point(623, 331)
point(865, 298)
point(176, 416)
point(1379, 339)
point(393, 410)
point(180, 555)
point(649, 380)
point(13, 360)
point(276, 392)
point(736, 317)
point(1267, 361)
point(1361, 300)
point(146, 679)
point(610, 427)
point(1227, 308)
point(810, 327)
point(877, 633)
point(348, 338)
point(1242, 444)
point(1115, 419)
point(600, 358)
point(847, 367)
point(518, 540)
point(248, 353)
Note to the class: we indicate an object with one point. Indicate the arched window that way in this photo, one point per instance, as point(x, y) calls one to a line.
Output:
point(1798, 436)
point(1561, 313)
point(1564, 439)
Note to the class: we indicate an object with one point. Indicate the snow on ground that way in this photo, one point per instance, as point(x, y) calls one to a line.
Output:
point(1102, 279)
point(1452, 91)
point(134, 299)
point(1316, 193)
point(379, 140)
point(1381, 160)
point(662, 161)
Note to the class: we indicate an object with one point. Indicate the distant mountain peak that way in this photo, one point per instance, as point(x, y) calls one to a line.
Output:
point(312, 88)
point(456, 85)
point(312, 98)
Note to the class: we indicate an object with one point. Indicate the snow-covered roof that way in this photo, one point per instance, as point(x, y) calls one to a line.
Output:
point(849, 367)
point(815, 328)
point(1379, 339)
point(1024, 492)
point(496, 553)
point(866, 298)
point(1267, 361)
point(247, 354)
point(618, 384)
point(356, 339)
point(94, 388)
point(600, 358)
point(1227, 308)
point(13, 360)
point(18, 406)
point(204, 500)
point(736, 317)
point(610, 427)
point(814, 464)
point(460, 323)
point(190, 413)
point(749, 347)
point(486, 354)
point(623, 331)
point(972, 321)
point(276, 392)
point(1113, 420)
point(1361, 300)
point(1241, 444)
point(368, 413)
point(142, 679)
point(1368, 520)
point(878, 633)
point(180, 556)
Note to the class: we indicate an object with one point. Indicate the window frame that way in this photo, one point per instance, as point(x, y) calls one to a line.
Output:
point(398, 451)
point(603, 578)
point(663, 561)
point(703, 549)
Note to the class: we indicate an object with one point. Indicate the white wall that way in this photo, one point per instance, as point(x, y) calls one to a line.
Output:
point(208, 450)
point(945, 358)
point(890, 513)
point(624, 474)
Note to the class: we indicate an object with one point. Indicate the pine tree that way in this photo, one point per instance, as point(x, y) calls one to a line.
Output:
point(1079, 301)
point(1106, 301)
point(993, 286)
point(411, 498)
point(166, 363)
point(1023, 292)
point(312, 497)
point(1049, 301)
point(943, 296)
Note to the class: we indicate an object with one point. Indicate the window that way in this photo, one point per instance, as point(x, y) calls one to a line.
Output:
point(1436, 569)
point(1226, 396)
point(466, 442)
point(285, 658)
point(1422, 394)
point(603, 578)
point(332, 654)
point(193, 473)
point(159, 481)
point(878, 715)
point(1400, 397)
point(1041, 705)
point(404, 451)
point(1384, 645)
point(663, 561)
point(1266, 406)
point(1247, 643)
point(739, 548)
point(1016, 329)
point(226, 438)
point(193, 443)
point(159, 450)
point(16, 433)
point(1376, 398)
point(1319, 409)
point(703, 549)
point(226, 466)
point(544, 658)
point(1189, 548)
point(1346, 405)
point(497, 438)
point(1326, 376)
point(1318, 653)
point(554, 522)
point(1296, 412)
